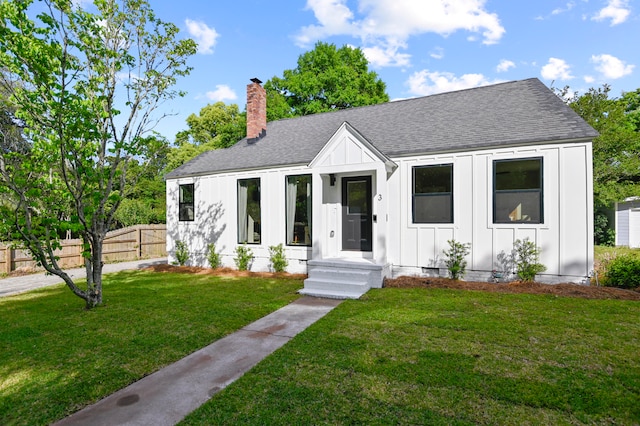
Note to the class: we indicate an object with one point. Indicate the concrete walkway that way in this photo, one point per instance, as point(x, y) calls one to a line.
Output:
point(168, 395)
point(16, 285)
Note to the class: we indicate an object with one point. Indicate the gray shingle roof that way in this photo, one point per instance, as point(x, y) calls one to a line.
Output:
point(514, 113)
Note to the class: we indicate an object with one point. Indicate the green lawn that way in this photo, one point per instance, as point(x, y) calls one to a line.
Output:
point(55, 357)
point(433, 356)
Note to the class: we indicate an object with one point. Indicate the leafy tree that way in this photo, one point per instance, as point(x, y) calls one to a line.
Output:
point(616, 152)
point(326, 79)
point(217, 126)
point(89, 86)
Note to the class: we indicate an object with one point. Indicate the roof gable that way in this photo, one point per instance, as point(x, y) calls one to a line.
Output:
point(348, 147)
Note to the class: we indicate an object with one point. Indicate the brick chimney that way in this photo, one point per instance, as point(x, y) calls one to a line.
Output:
point(256, 111)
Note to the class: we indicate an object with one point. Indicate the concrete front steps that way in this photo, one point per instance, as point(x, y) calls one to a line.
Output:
point(342, 279)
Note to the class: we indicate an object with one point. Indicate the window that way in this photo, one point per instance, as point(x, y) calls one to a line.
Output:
point(298, 208)
point(433, 194)
point(517, 194)
point(186, 205)
point(249, 229)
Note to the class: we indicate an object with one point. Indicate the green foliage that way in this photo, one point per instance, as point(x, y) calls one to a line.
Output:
point(525, 256)
point(85, 87)
point(455, 258)
point(217, 126)
point(603, 234)
point(182, 253)
point(326, 79)
point(134, 211)
point(624, 272)
point(213, 257)
point(277, 258)
point(244, 257)
point(616, 163)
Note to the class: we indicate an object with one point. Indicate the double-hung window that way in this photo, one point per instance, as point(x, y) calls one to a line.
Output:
point(249, 217)
point(517, 191)
point(186, 202)
point(298, 210)
point(433, 194)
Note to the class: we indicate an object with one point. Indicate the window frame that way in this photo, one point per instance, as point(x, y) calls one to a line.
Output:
point(309, 210)
point(539, 190)
point(415, 195)
point(246, 224)
point(182, 205)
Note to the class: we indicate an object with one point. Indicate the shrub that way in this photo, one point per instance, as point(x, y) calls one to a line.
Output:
point(243, 258)
point(212, 257)
point(455, 258)
point(623, 272)
point(277, 258)
point(182, 252)
point(526, 255)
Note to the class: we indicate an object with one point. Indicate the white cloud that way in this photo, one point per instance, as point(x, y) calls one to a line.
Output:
point(616, 10)
point(556, 69)
point(204, 35)
point(221, 94)
point(611, 67)
point(437, 53)
point(567, 8)
point(384, 56)
point(423, 83)
point(504, 65)
point(589, 79)
point(384, 26)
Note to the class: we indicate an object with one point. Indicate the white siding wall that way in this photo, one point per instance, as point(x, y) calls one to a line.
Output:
point(622, 224)
point(627, 224)
point(216, 218)
point(565, 237)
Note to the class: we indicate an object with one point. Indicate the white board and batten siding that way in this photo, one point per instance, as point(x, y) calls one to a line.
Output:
point(216, 213)
point(565, 237)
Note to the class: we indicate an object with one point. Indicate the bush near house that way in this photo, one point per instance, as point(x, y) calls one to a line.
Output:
point(617, 267)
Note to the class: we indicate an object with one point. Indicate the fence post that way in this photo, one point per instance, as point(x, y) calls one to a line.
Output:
point(8, 256)
point(139, 241)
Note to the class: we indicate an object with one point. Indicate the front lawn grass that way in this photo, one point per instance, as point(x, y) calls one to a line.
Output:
point(55, 357)
point(436, 356)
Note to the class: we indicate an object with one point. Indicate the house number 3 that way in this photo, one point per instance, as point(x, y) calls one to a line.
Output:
point(379, 197)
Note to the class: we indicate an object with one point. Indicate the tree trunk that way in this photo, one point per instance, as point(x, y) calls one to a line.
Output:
point(94, 273)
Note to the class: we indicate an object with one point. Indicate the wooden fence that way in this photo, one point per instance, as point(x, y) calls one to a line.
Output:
point(131, 243)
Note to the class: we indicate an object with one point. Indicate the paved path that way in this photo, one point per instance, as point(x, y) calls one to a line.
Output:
point(15, 285)
point(168, 395)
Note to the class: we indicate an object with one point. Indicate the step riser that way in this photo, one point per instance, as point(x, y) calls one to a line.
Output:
point(349, 287)
point(339, 275)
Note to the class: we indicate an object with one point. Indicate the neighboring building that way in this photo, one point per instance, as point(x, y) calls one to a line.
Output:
point(627, 222)
point(359, 194)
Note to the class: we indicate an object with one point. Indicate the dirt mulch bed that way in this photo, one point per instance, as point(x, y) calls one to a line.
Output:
point(221, 272)
point(571, 290)
point(566, 289)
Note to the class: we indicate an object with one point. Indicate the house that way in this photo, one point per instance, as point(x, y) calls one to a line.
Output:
point(627, 222)
point(371, 192)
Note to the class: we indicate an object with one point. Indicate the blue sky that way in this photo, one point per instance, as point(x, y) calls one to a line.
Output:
point(417, 47)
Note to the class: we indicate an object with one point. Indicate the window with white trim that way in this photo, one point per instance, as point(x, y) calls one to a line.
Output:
point(517, 191)
point(186, 202)
point(249, 216)
point(298, 210)
point(432, 192)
